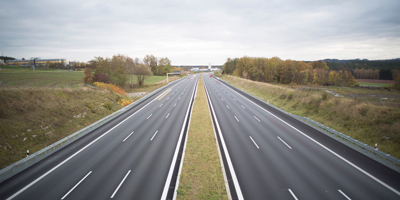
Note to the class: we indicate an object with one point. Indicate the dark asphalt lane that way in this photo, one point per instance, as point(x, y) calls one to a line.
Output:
point(128, 160)
point(285, 159)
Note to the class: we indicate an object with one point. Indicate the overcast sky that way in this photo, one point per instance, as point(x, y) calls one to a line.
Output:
point(200, 32)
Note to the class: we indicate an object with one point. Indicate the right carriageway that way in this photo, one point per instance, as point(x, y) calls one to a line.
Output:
point(268, 155)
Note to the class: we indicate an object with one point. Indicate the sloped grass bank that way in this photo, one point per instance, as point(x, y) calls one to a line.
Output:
point(201, 176)
point(363, 121)
point(35, 118)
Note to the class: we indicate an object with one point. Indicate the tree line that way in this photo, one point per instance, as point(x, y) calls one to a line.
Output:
point(385, 67)
point(119, 69)
point(275, 70)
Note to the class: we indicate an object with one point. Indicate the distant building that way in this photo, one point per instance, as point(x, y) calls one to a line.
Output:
point(1, 62)
point(37, 62)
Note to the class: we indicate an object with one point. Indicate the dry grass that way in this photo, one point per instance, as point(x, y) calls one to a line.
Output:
point(367, 122)
point(35, 118)
point(201, 176)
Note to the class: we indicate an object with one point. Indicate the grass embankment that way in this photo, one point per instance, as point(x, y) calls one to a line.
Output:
point(201, 176)
point(367, 122)
point(35, 118)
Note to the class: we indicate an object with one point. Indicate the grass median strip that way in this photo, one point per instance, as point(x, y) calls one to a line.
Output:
point(201, 176)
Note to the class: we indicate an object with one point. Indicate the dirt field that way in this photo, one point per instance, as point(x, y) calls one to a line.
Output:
point(375, 81)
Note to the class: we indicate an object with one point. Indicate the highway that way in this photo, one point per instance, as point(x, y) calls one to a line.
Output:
point(269, 155)
point(131, 157)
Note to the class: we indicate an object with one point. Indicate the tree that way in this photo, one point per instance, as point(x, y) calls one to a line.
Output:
point(165, 66)
point(141, 72)
point(331, 78)
point(319, 65)
point(151, 61)
point(115, 69)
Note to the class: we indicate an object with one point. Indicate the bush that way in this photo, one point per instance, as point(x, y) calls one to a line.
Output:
point(290, 95)
point(125, 102)
point(363, 110)
point(324, 96)
point(110, 87)
point(104, 78)
point(283, 96)
point(108, 106)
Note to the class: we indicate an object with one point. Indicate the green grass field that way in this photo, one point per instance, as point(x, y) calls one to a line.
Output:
point(26, 78)
point(374, 84)
point(13, 77)
point(149, 80)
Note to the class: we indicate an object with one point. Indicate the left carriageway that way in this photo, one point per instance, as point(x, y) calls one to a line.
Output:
point(133, 156)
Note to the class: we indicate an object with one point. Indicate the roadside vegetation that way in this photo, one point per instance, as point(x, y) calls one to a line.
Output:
point(201, 176)
point(35, 118)
point(355, 114)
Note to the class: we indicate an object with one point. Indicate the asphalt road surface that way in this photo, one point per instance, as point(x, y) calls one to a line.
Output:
point(131, 157)
point(269, 155)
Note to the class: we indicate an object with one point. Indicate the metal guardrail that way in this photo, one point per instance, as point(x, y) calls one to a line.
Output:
point(32, 159)
point(331, 131)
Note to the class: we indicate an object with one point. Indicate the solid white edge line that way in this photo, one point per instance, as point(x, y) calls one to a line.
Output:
point(228, 158)
point(294, 196)
point(236, 119)
point(154, 135)
point(76, 185)
point(128, 136)
point(326, 148)
point(183, 151)
point(228, 191)
point(167, 116)
point(116, 190)
point(171, 169)
point(284, 142)
point(83, 148)
point(348, 198)
point(257, 119)
point(149, 116)
point(254, 142)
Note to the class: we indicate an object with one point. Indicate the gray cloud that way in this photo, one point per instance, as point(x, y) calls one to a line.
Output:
point(201, 32)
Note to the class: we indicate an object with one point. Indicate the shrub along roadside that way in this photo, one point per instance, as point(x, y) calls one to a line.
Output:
point(362, 121)
point(201, 176)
